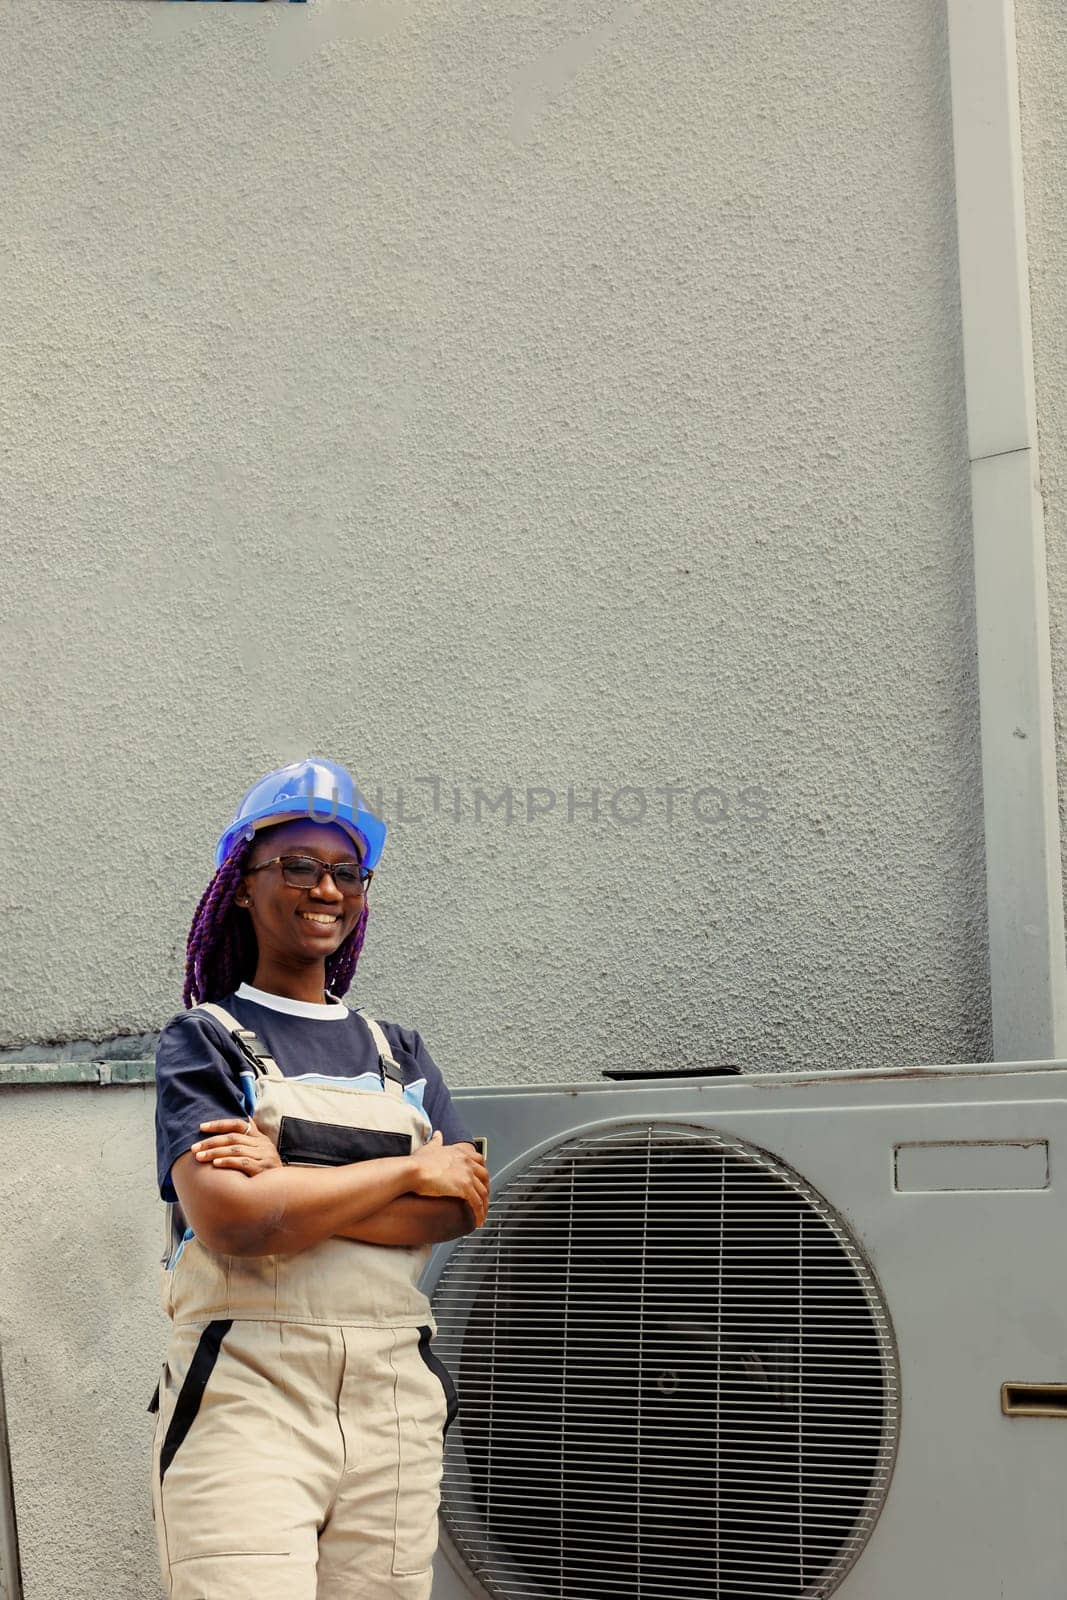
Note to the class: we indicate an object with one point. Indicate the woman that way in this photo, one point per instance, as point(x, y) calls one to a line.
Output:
point(316, 1157)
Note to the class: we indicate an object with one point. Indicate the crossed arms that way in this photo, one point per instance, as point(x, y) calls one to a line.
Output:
point(240, 1200)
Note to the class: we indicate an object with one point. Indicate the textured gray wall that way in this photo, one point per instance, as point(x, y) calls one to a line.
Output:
point(595, 368)
point(1042, 35)
point(83, 1336)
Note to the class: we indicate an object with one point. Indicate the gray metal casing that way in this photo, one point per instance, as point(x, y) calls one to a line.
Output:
point(974, 1280)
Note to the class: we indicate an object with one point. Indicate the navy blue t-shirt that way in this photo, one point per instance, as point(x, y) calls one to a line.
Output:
point(198, 1066)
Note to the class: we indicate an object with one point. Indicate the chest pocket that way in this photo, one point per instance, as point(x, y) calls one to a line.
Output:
point(302, 1142)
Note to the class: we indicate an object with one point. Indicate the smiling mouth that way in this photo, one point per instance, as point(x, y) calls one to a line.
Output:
point(319, 920)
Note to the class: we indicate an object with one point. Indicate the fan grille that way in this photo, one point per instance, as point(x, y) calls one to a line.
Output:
point(677, 1376)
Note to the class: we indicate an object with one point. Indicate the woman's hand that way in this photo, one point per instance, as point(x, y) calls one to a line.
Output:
point(238, 1144)
point(454, 1171)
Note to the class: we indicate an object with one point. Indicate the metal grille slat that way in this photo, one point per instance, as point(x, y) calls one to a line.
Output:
point(762, 1455)
point(671, 1539)
point(677, 1377)
point(579, 1391)
point(534, 1337)
point(576, 1496)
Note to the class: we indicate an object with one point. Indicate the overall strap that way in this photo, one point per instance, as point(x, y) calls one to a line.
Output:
point(390, 1069)
point(262, 1062)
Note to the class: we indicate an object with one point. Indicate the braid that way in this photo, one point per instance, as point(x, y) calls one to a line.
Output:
point(341, 966)
point(221, 950)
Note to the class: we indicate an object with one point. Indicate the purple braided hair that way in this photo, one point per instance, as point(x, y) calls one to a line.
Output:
point(341, 966)
point(221, 950)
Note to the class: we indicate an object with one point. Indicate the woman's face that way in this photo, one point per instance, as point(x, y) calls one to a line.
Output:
point(297, 926)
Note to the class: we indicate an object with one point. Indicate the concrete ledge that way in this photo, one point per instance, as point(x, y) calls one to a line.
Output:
point(54, 1074)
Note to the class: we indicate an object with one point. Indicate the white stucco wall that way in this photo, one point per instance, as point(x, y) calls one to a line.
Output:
point(556, 396)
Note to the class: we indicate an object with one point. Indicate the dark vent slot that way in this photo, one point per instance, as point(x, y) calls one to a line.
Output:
point(1033, 1399)
point(632, 1074)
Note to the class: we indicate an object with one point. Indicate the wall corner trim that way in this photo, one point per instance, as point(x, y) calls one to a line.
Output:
point(1024, 891)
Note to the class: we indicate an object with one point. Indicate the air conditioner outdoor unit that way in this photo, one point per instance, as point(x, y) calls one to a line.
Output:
point(773, 1337)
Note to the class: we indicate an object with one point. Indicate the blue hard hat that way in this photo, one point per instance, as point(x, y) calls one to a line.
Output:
point(318, 789)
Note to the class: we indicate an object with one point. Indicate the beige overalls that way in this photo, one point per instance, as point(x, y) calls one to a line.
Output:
point(301, 1412)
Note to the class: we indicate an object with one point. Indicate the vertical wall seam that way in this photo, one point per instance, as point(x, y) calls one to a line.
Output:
point(1024, 891)
point(10, 1568)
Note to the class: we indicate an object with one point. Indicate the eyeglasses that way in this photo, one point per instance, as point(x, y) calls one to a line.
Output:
point(306, 872)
